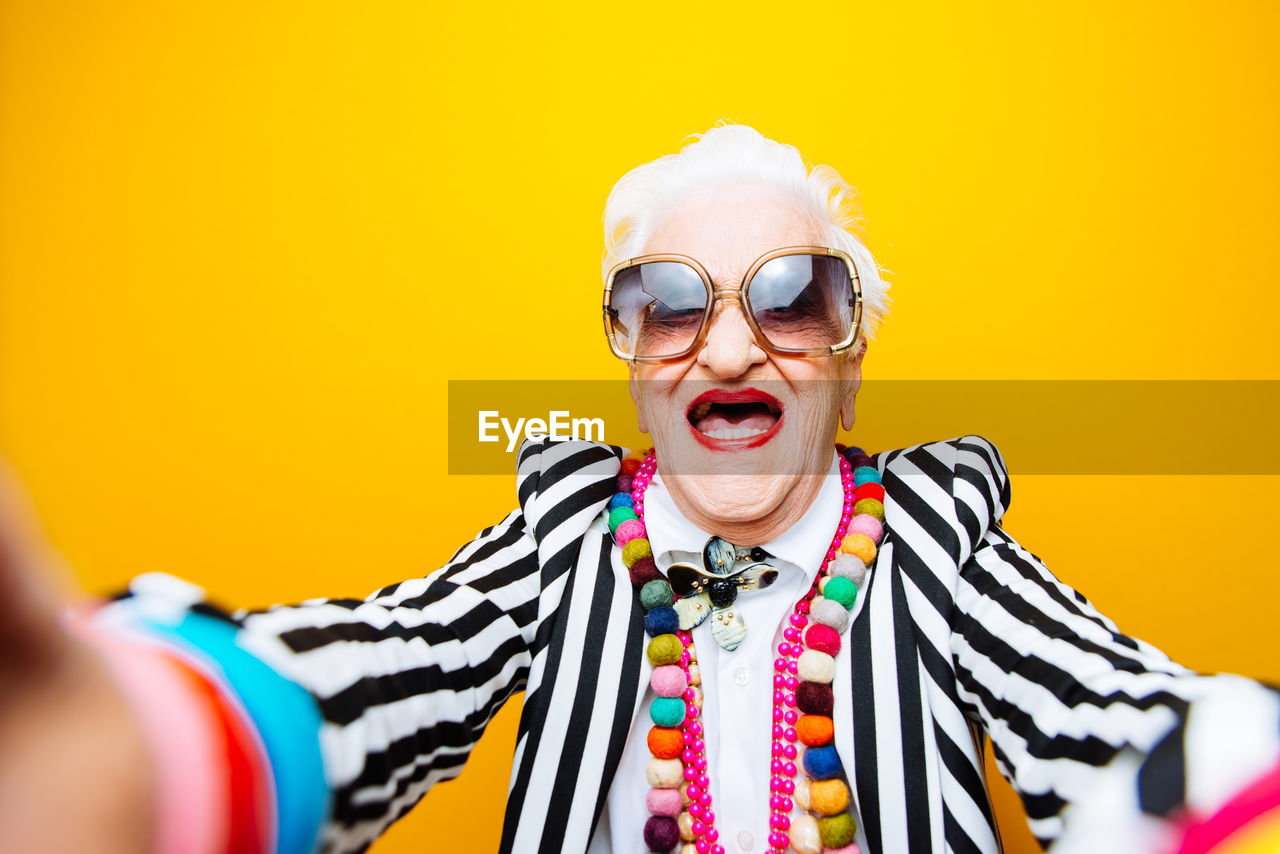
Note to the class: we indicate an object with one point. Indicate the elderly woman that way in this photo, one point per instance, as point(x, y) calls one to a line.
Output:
point(749, 639)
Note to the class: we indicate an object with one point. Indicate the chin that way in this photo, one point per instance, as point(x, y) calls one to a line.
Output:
point(736, 499)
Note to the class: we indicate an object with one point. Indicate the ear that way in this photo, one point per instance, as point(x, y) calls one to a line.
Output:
point(633, 386)
point(854, 382)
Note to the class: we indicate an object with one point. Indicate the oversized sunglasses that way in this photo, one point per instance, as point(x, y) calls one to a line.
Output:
point(798, 301)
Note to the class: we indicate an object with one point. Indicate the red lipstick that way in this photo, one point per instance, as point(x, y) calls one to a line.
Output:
point(734, 420)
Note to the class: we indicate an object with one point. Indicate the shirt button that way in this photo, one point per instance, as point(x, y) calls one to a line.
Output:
point(742, 677)
point(745, 840)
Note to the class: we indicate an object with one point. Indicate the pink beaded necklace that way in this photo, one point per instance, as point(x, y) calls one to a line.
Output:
point(679, 801)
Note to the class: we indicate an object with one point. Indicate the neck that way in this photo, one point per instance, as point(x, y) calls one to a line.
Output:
point(738, 508)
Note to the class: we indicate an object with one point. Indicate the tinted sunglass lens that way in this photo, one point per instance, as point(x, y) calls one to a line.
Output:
point(657, 308)
point(803, 302)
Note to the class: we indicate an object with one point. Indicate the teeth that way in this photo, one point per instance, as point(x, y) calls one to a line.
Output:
point(700, 410)
point(730, 433)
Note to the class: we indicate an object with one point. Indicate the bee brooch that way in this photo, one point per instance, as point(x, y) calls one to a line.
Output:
point(712, 589)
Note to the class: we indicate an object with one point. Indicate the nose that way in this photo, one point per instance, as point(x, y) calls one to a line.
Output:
point(730, 348)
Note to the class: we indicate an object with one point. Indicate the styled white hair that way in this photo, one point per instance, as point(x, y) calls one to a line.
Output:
point(725, 156)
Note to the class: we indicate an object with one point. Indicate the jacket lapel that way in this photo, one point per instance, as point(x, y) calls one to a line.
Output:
point(578, 718)
point(889, 744)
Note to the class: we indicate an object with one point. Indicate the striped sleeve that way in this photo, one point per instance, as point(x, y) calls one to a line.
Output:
point(400, 685)
point(1111, 745)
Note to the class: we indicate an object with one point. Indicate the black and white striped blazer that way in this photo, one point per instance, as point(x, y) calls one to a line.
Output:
point(962, 635)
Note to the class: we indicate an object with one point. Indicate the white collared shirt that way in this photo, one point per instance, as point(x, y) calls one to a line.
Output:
point(737, 686)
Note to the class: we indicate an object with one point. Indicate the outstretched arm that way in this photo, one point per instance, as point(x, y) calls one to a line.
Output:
point(291, 730)
point(357, 706)
point(1111, 745)
point(159, 723)
point(74, 769)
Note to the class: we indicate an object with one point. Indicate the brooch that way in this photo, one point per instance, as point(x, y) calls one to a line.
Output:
point(712, 589)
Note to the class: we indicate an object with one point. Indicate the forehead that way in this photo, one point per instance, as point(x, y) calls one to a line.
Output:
point(727, 228)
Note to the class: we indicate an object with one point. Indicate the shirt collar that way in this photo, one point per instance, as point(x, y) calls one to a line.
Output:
point(803, 545)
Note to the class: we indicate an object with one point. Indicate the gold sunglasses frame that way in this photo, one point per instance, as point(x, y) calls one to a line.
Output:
point(739, 295)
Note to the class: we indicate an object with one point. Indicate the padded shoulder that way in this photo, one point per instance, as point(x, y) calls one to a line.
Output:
point(982, 481)
point(962, 482)
point(563, 485)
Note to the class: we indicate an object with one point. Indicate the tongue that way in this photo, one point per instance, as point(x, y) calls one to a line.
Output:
point(737, 417)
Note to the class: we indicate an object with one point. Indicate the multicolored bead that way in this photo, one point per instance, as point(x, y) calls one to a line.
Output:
point(661, 833)
point(636, 550)
point(667, 711)
point(848, 566)
point(665, 742)
point(836, 831)
point(869, 526)
point(816, 666)
point(664, 802)
point(801, 795)
point(664, 773)
point(841, 590)
point(668, 681)
point(870, 489)
point(664, 649)
point(685, 822)
point(815, 730)
point(829, 797)
point(657, 594)
point(805, 836)
point(661, 621)
point(828, 613)
point(618, 515)
point(813, 698)
point(865, 474)
point(822, 638)
point(860, 546)
point(822, 763)
point(630, 529)
point(643, 571)
point(869, 507)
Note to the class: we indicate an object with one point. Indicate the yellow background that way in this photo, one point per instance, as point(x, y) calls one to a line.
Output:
point(243, 246)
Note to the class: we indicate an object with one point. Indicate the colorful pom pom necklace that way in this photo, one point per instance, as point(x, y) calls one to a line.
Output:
point(679, 800)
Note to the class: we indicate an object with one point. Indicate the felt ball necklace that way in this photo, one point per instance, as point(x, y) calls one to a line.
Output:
point(679, 799)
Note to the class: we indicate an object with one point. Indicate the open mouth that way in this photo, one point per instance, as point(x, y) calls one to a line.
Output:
point(743, 418)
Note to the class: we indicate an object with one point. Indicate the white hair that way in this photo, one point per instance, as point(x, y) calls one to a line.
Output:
point(728, 155)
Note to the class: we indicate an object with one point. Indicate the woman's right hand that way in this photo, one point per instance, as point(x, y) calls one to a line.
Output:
point(75, 774)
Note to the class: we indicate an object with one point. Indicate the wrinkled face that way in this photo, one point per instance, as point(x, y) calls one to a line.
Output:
point(741, 435)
